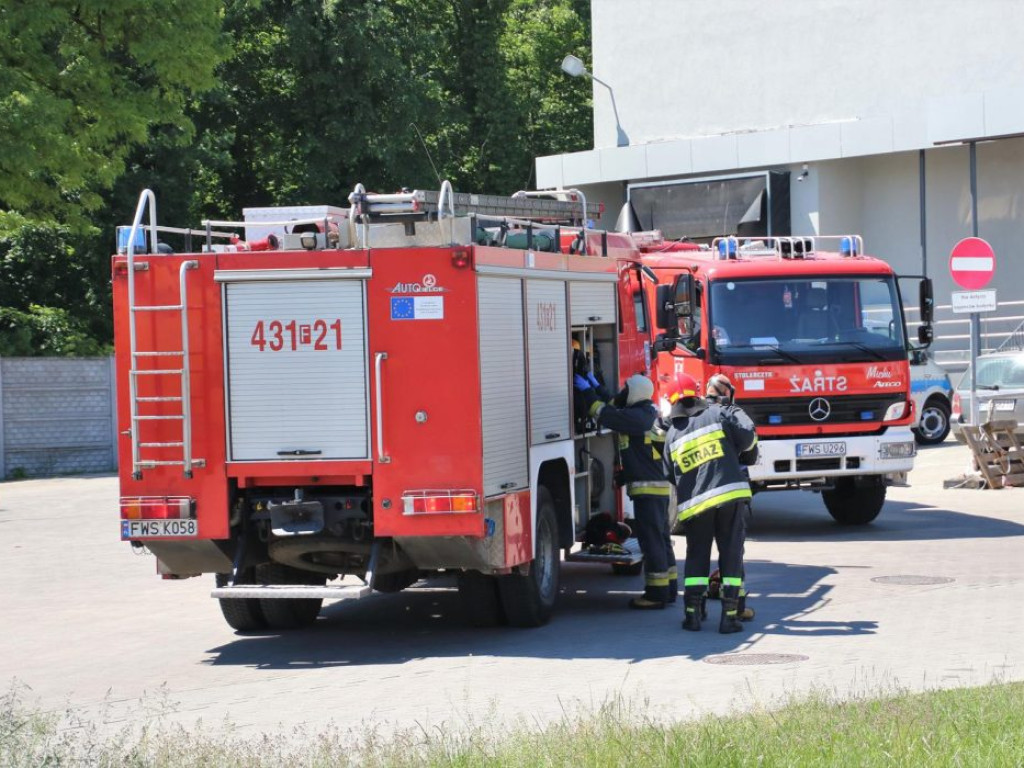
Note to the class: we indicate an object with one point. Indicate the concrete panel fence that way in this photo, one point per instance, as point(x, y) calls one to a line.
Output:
point(57, 416)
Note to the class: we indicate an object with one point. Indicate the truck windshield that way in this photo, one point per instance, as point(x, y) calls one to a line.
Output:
point(810, 320)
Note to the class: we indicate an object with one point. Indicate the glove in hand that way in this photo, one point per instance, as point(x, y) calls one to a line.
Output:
point(621, 398)
point(580, 383)
point(593, 380)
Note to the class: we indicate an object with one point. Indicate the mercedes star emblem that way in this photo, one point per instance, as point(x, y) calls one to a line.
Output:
point(819, 409)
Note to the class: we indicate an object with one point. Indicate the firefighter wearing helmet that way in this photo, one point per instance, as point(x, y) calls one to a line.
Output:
point(634, 417)
point(720, 390)
point(704, 444)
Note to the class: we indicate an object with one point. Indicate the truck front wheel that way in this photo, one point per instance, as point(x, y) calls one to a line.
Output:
point(855, 501)
point(529, 599)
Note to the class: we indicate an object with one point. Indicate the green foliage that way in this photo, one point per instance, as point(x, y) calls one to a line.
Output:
point(318, 96)
point(971, 727)
point(217, 105)
point(80, 85)
point(45, 331)
point(54, 293)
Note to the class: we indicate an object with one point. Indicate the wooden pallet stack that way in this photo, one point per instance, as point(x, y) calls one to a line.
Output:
point(998, 452)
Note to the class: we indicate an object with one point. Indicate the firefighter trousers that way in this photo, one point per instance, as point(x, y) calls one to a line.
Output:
point(726, 526)
point(650, 514)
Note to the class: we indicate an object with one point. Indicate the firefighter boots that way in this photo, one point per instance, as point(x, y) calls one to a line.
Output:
point(645, 603)
point(730, 608)
point(656, 592)
point(693, 603)
point(743, 613)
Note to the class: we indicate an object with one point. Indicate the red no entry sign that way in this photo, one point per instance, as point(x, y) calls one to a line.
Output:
point(972, 263)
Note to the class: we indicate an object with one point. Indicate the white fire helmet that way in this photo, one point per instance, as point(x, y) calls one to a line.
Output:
point(640, 388)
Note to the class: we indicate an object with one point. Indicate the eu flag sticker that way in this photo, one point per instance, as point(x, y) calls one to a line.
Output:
point(417, 308)
point(402, 308)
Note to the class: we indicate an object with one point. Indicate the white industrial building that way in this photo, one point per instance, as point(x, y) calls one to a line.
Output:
point(868, 108)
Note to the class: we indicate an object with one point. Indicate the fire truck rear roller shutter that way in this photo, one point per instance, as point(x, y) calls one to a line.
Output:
point(306, 396)
point(503, 384)
point(547, 345)
point(592, 303)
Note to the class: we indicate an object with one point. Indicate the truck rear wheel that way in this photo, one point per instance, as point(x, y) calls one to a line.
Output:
point(855, 501)
point(289, 612)
point(243, 614)
point(529, 599)
point(480, 599)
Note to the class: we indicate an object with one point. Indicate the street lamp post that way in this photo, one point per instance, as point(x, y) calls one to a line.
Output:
point(574, 67)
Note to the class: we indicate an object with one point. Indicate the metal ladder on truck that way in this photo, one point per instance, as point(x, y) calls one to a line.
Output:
point(139, 461)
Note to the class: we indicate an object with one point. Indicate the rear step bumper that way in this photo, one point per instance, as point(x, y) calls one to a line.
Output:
point(293, 591)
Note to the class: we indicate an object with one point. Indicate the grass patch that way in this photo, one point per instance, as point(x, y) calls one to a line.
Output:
point(966, 727)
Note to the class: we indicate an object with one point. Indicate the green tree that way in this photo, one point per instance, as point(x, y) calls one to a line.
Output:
point(81, 83)
point(554, 110)
point(317, 96)
point(304, 99)
point(54, 295)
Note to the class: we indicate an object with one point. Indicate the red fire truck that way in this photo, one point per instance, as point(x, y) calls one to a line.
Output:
point(317, 402)
point(814, 342)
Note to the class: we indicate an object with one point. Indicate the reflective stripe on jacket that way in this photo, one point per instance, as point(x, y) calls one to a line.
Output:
point(702, 458)
point(641, 445)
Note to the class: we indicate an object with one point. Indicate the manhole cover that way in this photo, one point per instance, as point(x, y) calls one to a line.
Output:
point(754, 659)
point(913, 581)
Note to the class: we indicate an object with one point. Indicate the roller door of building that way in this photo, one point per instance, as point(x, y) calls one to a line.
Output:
point(296, 370)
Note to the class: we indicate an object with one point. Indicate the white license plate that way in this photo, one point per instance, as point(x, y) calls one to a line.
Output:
point(1004, 405)
point(820, 449)
point(158, 529)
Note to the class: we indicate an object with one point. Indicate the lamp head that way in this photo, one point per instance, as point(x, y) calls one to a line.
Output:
point(573, 66)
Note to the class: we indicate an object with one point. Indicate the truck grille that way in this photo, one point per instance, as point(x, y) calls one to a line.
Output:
point(843, 409)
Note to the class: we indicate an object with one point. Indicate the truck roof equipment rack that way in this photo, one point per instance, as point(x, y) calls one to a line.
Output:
point(552, 206)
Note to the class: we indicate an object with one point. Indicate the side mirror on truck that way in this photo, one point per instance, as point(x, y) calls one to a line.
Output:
point(665, 315)
point(664, 343)
point(926, 297)
point(685, 295)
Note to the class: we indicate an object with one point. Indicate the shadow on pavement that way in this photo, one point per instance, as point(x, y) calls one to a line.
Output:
point(799, 516)
point(591, 622)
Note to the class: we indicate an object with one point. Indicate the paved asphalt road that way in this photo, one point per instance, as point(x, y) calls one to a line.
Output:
point(85, 624)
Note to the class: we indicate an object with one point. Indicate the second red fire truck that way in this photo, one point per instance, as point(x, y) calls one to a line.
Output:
point(815, 344)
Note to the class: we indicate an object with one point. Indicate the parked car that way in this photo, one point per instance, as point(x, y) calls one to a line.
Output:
point(933, 398)
point(1000, 387)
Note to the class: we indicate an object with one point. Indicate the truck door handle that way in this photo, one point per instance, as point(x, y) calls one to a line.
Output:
point(299, 452)
point(378, 358)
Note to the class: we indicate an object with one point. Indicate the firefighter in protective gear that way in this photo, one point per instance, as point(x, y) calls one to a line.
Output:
point(634, 417)
point(720, 390)
point(702, 451)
